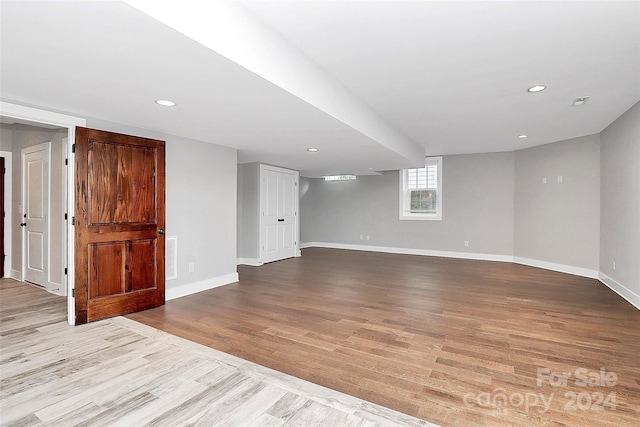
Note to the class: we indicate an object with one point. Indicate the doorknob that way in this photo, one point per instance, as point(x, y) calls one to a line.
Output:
point(161, 231)
point(23, 224)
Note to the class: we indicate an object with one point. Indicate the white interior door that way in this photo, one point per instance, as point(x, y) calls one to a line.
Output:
point(35, 212)
point(278, 205)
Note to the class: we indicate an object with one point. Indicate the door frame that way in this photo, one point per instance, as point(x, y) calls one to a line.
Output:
point(23, 268)
point(70, 123)
point(8, 182)
point(296, 202)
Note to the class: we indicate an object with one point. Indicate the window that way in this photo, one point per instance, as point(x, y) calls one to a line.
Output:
point(421, 191)
point(340, 178)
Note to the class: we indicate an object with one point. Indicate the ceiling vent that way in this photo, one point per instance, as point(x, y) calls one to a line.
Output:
point(581, 100)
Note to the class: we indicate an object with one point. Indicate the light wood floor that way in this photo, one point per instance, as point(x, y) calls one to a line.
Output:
point(455, 342)
point(120, 372)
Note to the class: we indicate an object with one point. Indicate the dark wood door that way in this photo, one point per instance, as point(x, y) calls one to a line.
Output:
point(119, 224)
point(2, 254)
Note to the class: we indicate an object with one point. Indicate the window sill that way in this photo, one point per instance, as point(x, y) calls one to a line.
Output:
point(420, 217)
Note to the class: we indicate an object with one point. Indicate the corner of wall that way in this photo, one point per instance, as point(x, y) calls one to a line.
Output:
point(203, 285)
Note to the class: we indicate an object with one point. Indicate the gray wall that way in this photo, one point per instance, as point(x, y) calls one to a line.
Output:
point(558, 222)
point(498, 202)
point(620, 197)
point(248, 210)
point(200, 203)
point(23, 136)
point(6, 137)
point(478, 199)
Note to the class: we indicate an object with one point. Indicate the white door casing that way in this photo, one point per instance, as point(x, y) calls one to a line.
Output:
point(70, 123)
point(278, 213)
point(35, 213)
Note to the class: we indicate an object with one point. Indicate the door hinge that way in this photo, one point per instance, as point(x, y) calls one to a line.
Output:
point(73, 292)
point(66, 217)
point(65, 271)
point(73, 220)
point(66, 162)
point(73, 148)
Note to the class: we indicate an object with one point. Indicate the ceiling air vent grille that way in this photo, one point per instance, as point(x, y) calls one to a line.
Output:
point(581, 100)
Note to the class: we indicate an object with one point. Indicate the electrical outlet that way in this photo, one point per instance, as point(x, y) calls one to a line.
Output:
point(466, 243)
point(361, 237)
point(192, 267)
point(559, 178)
point(544, 180)
point(368, 237)
point(614, 265)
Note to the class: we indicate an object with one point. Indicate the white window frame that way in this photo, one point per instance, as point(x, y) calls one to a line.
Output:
point(404, 194)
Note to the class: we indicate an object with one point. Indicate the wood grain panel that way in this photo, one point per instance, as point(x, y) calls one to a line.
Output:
point(135, 270)
point(419, 334)
point(104, 279)
point(142, 264)
point(121, 183)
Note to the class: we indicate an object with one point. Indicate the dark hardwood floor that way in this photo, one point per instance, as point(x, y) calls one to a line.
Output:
point(454, 342)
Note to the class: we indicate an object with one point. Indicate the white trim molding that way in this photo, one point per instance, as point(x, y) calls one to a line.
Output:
point(203, 285)
point(561, 268)
point(408, 251)
point(620, 289)
point(254, 262)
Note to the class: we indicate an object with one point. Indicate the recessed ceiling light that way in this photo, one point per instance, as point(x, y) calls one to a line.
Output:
point(523, 136)
point(165, 103)
point(536, 88)
point(312, 150)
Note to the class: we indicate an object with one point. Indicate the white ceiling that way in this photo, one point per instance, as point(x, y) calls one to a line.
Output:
point(365, 81)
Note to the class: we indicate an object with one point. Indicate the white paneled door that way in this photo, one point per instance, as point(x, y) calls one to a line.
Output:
point(278, 209)
point(35, 212)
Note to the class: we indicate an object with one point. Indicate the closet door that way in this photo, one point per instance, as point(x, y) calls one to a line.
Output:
point(278, 214)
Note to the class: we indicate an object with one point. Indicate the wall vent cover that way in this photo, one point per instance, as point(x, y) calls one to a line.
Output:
point(171, 257)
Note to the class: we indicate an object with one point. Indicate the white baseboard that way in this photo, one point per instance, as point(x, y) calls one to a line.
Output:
point(255, 262)
point(16, 274)
point(561, 268)
point(203, 285)
point(407, 251)
point(578, 271)
point(623, 291)
point(56, 289)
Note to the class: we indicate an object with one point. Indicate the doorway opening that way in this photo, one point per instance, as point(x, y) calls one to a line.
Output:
point(60, 130)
